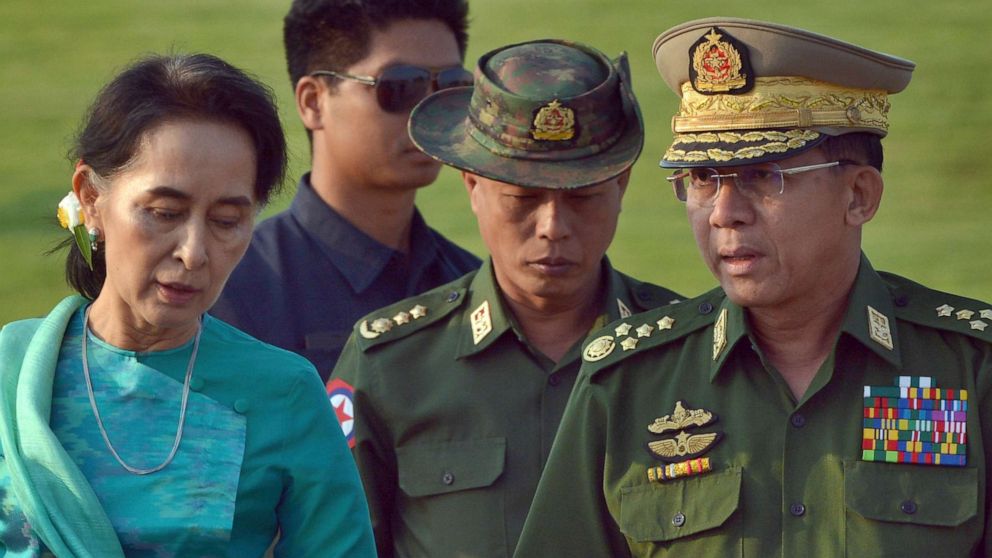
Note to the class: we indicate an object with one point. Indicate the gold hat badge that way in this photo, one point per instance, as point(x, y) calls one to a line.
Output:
point(683, 444)
point(718, 63)
point(554, 122)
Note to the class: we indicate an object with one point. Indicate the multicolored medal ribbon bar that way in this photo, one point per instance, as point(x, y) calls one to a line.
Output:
point(671, 471)
point(915, 422)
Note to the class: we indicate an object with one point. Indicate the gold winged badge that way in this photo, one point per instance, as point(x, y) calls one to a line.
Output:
point(684, 444)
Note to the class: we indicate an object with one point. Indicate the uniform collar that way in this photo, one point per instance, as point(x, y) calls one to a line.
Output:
point(869, 318)
point(358, 257)
point(487, 316)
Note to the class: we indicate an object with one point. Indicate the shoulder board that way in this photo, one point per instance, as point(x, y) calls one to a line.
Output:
point(649, 330)
point(410, 315)
point(648, 295)
point(924, 306)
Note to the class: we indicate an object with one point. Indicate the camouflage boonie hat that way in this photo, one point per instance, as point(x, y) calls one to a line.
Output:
point(754, 91)
point(542, 114)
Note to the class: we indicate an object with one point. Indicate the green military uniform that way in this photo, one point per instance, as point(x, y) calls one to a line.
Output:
point(786, 477)
point(455, 413)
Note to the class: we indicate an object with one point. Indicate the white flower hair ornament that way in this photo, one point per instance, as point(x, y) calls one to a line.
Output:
point(70, 216)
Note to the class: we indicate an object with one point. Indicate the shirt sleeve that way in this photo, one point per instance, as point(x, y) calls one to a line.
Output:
point(322, 511)
point(569, 516)
point(371, 449)
point(984, 403)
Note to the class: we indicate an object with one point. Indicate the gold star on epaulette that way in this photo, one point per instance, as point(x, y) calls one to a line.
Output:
point(402, 318)
point(666, 323)
point(987, 313)
point(628, 344)
point(644, 330)
point(382, 325)
point(944, 310)
point(418, 312)
point(964, 314)
point(623, 329)
point(979, 325)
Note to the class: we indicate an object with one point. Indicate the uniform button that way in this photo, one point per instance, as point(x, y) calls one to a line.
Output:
point(241, 406)
point(452, 296)
point(448, 478)
point(705, 308)
point(798, 420)
point(901, 301)
point(908, 507)
point(554, 379)
point(798, 510)
point(679, 519)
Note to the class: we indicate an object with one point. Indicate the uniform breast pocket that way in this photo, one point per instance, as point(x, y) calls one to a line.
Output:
point(910, 510)
point(450, 506)
point(695, 516)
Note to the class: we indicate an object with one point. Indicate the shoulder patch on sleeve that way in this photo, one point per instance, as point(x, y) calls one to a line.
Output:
point(648, 330)
point(342, 397)
point(921, 305)
point(408, 316)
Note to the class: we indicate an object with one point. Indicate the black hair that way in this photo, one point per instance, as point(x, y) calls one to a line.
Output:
point(862, 147)
point(334, 34)
point(161, 88)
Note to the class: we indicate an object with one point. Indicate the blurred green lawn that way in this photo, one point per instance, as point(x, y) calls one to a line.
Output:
point(933, 227)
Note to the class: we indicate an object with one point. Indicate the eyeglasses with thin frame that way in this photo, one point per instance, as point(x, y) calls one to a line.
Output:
point(701, 186)
point(399, 88)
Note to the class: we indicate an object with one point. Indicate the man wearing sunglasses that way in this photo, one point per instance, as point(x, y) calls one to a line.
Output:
point(352, 240)
point(458, 392)
point(810, 406)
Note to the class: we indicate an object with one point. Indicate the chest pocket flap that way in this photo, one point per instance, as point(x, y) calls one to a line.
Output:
point(679, 508)
point(920, 494)
point(431, 469)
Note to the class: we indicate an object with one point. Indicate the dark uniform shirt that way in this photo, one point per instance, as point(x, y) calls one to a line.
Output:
point(455, 413)
point(787, 477)
point(309, 274)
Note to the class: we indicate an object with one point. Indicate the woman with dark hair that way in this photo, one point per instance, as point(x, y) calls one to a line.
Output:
point(131, 422)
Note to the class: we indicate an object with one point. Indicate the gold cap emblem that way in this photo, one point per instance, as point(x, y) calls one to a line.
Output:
point(554, 122)
point(719, 64)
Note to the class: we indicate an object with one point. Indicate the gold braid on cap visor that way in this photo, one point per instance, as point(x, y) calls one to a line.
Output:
point(783, 111)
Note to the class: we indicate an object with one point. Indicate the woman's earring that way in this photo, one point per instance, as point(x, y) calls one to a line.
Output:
point(94, 234)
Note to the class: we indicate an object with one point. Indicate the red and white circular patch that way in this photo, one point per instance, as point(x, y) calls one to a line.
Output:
point(342, 398)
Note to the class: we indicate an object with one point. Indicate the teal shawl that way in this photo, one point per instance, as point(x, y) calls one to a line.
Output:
point(57, 500)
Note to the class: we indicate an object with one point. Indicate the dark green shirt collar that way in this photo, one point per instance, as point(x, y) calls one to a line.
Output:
point(870, 318)
point(485, 297)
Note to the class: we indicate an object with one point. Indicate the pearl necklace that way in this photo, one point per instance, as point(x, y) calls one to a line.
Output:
point(182, 408)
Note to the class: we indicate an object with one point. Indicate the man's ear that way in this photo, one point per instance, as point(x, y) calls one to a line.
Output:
point(309, 90)
point(866, 187)
point(83, 185)
point(471, 185)
point(622, 182)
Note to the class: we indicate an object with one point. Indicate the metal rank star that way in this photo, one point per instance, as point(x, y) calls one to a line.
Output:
point(964, 314)
point(375, 329)
point(944, 310)
point(978, 324)
point(644, 330)
point(666, 323)
point(402, 318)
point(987, 313)
point(629, 343)
point(418, 312)
point(623, 329)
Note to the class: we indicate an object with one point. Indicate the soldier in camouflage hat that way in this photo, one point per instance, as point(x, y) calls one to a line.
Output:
point(457, 393)
point(810, 406)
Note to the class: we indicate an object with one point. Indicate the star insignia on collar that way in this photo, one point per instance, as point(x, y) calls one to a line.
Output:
point(418, 312)
point(666, 323)
point(628, 344)
point(945, 310)
point(978, 324)
point(644, 330)
point(382, 325)
point(623, 329)
point(987, 313)
point(964, 314)
point(402, 318)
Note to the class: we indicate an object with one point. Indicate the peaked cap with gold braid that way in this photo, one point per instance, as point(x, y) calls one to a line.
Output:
point(754, 91)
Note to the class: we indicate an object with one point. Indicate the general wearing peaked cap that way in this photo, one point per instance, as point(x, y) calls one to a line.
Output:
point(542, 114)
point(754, 91)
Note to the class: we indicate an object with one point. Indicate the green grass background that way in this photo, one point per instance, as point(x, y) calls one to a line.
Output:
point(934, 225)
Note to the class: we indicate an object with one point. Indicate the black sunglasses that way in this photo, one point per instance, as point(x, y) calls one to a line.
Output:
point(399, 88)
